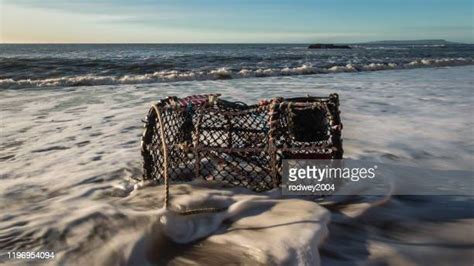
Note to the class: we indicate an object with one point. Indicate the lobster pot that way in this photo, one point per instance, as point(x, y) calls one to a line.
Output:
point(234, 143)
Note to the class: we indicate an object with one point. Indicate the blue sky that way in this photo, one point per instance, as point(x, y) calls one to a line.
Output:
point(176, 21)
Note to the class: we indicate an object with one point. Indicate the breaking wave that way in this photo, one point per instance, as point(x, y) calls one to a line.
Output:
point(222, 73)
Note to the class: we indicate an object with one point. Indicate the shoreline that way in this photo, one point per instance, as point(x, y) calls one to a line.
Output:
point(225, 76)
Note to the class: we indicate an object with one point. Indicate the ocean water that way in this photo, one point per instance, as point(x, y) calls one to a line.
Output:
point(24, 66)
point(69, 153)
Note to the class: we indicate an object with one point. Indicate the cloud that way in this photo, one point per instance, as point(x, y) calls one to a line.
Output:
point(93, 7)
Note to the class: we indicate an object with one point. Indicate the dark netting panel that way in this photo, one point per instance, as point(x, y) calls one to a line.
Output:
point(237, 144)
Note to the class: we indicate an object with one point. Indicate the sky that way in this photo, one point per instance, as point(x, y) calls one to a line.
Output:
point(234, 21)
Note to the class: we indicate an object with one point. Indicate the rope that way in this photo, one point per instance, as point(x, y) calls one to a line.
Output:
point(166, 177)
point(165, 154)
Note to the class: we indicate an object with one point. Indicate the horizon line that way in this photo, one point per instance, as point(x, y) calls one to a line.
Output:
point(359, 42)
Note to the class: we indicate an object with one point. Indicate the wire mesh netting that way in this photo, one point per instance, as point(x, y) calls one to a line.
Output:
point(206, 137)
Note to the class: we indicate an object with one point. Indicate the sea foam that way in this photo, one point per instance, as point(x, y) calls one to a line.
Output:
point(224, 73)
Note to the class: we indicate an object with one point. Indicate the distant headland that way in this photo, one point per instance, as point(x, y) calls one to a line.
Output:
point(384, 42)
